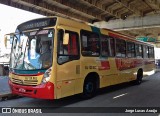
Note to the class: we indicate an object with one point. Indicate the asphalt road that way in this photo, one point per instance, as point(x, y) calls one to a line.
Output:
point(125, 95)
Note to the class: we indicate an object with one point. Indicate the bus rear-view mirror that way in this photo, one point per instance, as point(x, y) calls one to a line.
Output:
point(66, 39)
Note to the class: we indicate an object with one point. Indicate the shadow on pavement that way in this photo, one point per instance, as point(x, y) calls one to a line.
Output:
point(77, 98)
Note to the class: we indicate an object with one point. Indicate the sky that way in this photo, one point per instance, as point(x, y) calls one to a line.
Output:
point(10, 18)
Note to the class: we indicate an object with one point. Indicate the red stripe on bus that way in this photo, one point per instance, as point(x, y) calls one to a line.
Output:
point(104, 65)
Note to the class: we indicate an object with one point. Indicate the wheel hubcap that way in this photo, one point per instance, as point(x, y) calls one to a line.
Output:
point(89, 87)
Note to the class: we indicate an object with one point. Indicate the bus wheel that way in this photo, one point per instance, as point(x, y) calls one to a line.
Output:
point(139, 77)
point(89, 88)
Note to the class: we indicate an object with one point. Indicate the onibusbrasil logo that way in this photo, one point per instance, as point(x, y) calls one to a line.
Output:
point(20, 110)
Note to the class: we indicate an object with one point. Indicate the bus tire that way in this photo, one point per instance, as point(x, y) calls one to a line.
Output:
point(139, 77)
point(89, 88)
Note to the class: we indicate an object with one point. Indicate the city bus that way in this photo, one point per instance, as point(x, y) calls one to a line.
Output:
point(55, 57)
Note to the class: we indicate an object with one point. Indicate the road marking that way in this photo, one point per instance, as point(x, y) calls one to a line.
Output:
point(120, 95)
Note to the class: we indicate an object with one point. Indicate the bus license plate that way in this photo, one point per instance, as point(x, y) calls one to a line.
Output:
point(22, 90)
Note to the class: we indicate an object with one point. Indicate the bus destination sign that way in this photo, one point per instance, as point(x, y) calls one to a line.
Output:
point(39, 23)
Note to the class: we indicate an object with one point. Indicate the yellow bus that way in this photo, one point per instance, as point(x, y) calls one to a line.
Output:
point(54, 57)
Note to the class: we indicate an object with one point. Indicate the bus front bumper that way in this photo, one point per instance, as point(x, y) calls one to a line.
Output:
point(43, 91)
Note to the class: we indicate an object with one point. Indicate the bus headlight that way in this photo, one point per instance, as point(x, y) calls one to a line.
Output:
point(47, 75)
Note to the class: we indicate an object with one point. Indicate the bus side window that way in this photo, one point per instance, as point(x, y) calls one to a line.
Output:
point(146, 51)
point(104, 45)
point(151, 52)
point(112, 46)
point(120, 48)
point(90, 43)
point(70, 51)
point(139, 51)
point(130, 50)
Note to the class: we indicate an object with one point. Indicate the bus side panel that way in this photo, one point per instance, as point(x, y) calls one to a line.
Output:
point(127, 68)
point(58, 89)
point(66, 76)
point(68, 73)
point(104, 67)
point(149, 67)
point(108, 76)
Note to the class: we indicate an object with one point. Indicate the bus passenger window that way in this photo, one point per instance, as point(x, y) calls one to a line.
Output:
point(104, 45)
point(112, 47)
point(90, 43)
point(120, 48)
point(151, 52)
point(139, 51)
point(130, 50)
point(146, 51)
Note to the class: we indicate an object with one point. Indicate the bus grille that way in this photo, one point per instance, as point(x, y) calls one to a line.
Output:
point(25, 82)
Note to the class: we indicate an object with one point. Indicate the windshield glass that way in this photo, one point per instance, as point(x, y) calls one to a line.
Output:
point(32, 50)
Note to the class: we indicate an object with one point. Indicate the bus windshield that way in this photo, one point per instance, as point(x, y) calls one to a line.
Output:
point(32, 50)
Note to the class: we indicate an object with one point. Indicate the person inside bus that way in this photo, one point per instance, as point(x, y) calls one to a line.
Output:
point(45, 54)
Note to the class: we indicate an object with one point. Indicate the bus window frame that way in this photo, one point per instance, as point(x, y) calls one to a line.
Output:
point(58, 48)
point(142, 55)
point(131, 51)
point(151, 54)
point(82, 31)
point(108, 45)
point(116, 48)
point(145, 54)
